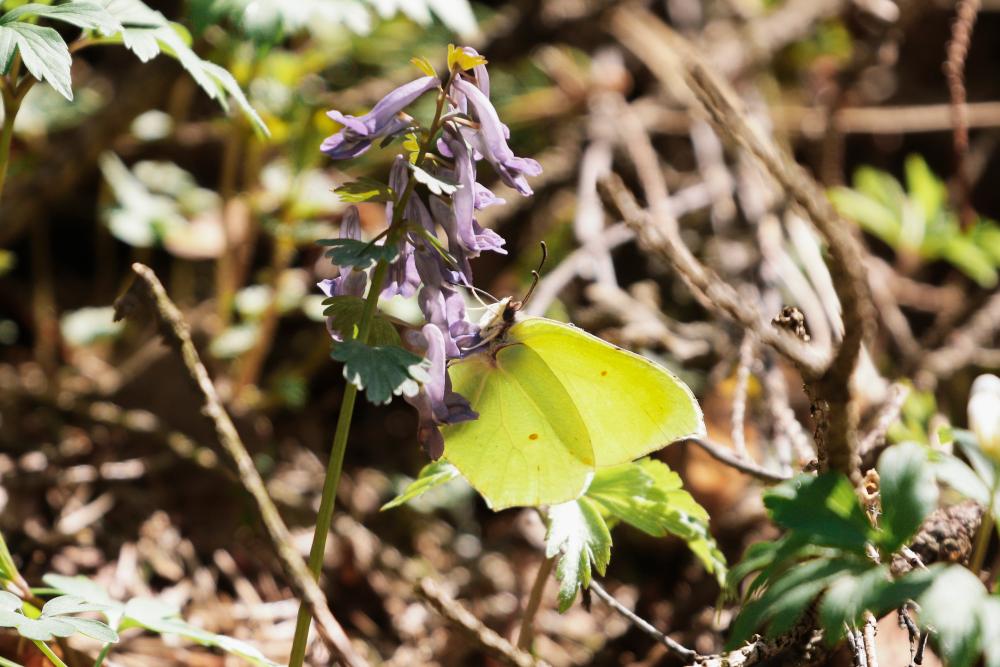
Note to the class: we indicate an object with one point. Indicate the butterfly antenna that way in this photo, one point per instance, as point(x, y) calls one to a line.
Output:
point(475, 295)
point(535, 275)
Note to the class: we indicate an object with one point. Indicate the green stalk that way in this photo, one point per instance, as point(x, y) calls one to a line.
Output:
point(44, 648)
point(335, 464)
point(102, 655)
point(985, 530)
point(11, 105)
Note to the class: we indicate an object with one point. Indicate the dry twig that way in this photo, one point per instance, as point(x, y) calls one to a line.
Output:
point(147, 292)
point(954, 69)
point(663, 51)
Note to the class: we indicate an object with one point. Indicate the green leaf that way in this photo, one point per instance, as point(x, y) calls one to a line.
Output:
point(971, 260)
point(161, 618)
point(990, 623)
point(147, 33)
point(873, 217)
point(364, 189)
point(41, 629)
point(786, 598)
point(872, 590)
point(824, 508)
point(649, 496)
point(578, 535)
point(382, 371)
point(882, 187)
point(924, 187)
point(959, 476)
point(345, 316)
point(85, 588)
point(436, 184)
point(908, 493)
point(952, 605)
point(981, 463)
point(70, 604)
point(431, 476)
point(93, 629)
point(359, 254)
point(43, 52)
point(81, 13)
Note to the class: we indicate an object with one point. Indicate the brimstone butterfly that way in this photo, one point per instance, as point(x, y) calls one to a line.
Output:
point(555, 404)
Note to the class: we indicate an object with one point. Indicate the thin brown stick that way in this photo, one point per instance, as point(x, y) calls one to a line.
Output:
point(146, 292)
point(747, 348)
point(472, 628)
point(678, 649)
point(962, 346)
point(954, 69)
point(526, 634)
point(663, 51)
point(725, 455)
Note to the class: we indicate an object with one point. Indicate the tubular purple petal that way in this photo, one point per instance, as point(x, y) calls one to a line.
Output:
point(491, 141)
point(359, 132)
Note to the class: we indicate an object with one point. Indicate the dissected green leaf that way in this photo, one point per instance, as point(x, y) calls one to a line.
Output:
point(649, 496)
point(81, 13)
point(970, 259)
point(436, 184)
point(908, 493)
point(345, 316)
point(871, 590)
point(824, 508)
point(43, 53)
point(359, 254)
point(431, 476)
point(578, 535)
point(364, 189)
point(953, 605)
point(380, 371)
point(924, 187)
point(70, 604)
point(148, 33)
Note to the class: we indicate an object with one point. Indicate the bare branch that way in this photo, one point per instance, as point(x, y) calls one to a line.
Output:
point(644, 625)
point(472, 628)
point(725, 455)
point(146, 292)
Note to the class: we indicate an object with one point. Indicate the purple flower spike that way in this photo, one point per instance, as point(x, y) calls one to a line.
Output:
point(491, 141)
point(359, 132)
point(350, 282)
point(485, 198)
point(436, 403)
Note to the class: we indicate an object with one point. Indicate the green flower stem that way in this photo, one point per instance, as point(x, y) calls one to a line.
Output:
point(44, 648)
point(102, 655)
point(335, 464)
point(4, 662)
point(985, 529)
point(11, 105)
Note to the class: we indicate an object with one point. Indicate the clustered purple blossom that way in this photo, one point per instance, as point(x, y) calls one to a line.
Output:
point(471, 132)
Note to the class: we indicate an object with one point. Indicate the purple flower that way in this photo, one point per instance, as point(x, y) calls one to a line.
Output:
point(350, 282)
point(485, 198)
point(436, 403)
point(402, 278)
point(491, 140)
point(359, 132)
point(461, 226)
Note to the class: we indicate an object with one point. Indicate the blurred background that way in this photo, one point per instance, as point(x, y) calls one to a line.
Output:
point(107, 466)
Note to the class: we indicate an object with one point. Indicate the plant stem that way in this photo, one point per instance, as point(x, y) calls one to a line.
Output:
point(44, 648)
point(335, 464)
point(4, 662)
point(526, 634)
point(985, 530)
point(102, 655)
point(11, 105)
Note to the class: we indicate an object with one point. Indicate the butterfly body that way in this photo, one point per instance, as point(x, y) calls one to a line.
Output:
point(556, 404)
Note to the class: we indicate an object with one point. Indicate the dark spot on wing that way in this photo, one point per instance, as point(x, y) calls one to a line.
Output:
point(603, 373)
point(533, 436)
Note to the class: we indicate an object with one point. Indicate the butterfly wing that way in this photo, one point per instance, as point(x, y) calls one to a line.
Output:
point(530, 445)
point(631, 406)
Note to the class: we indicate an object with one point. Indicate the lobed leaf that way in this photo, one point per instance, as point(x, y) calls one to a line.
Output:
point(822, 508)
point(359, 254)
point(578, 535)
point(345, 314)
point(43, 52)
point(84, 14)
point(381, 371)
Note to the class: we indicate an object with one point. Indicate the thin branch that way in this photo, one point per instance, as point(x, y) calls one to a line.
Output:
point(747, 349)
point(885, 418)
point(146, 292)
point(663, 51)
point(526, 634)
point(954, 68)
point(474, 629)
point(644, 625)
point(962, 345)
point(725, 455)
